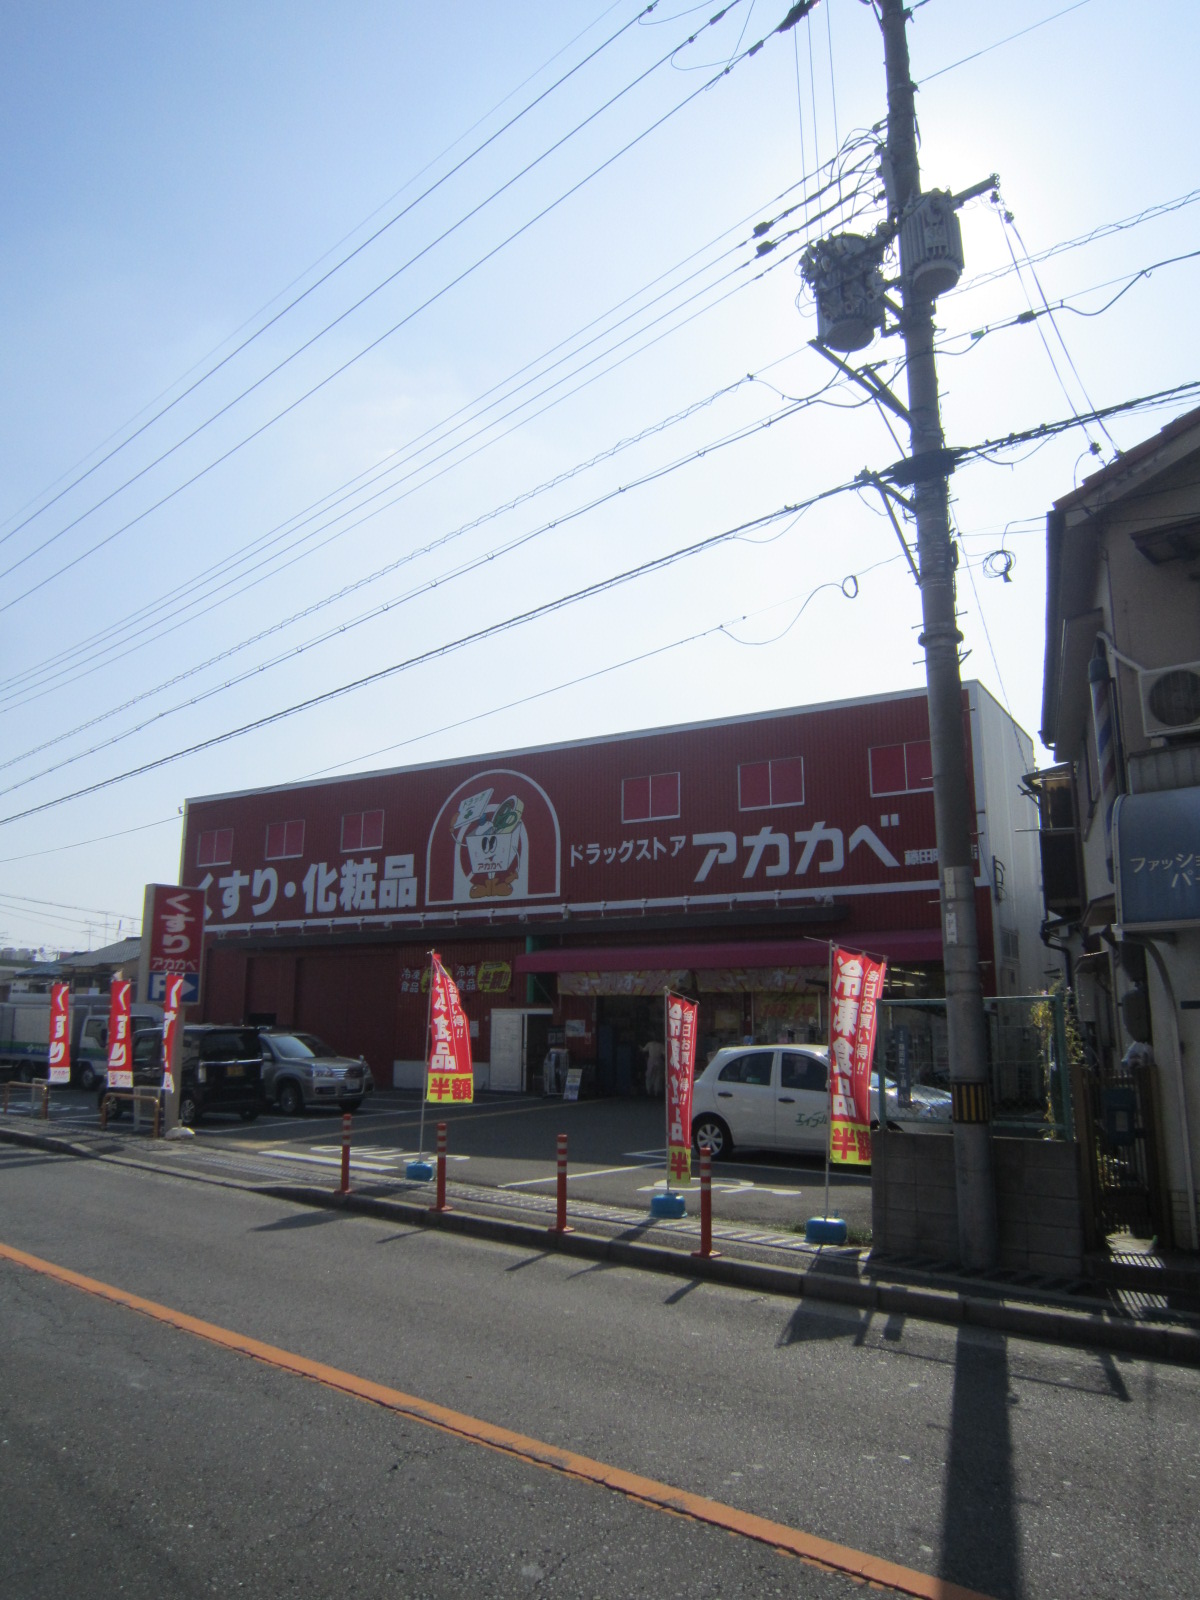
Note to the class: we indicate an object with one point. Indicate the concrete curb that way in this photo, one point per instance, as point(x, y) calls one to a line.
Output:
point(1089, 1329)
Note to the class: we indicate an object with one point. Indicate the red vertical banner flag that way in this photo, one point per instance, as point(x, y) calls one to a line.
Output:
point(857, 984)
point(120, 1061)
point(450, 1077)
point(172, 1005)
point(60, 1033)
point(681, 1072)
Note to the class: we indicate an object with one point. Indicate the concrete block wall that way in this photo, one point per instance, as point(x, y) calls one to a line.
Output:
point(914, 1208)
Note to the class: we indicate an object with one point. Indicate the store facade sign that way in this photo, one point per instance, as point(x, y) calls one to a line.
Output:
point(172, 940)
point(1156, 859)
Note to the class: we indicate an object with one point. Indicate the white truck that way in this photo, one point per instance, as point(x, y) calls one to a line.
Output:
point(25, 1036)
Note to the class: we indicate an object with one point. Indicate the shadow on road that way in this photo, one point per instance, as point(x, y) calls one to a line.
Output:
point(980, 1546)
point(304, 1219)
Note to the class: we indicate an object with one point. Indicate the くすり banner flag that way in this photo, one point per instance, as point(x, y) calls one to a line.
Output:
point(120, 1062)
point(450, 1078)
point(681, 1072)
point(856, 983)
point(60, 1033)
point(171, 1009)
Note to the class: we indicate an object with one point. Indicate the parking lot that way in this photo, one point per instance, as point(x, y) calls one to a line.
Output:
point(508, 1143)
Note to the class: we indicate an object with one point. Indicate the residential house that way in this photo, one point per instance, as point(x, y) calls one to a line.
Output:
point(1121, 811)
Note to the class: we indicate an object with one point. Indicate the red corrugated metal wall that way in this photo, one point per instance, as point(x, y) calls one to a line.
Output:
point(362, 1000)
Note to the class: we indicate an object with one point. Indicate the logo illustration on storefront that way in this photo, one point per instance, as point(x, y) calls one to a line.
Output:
point(496, 839)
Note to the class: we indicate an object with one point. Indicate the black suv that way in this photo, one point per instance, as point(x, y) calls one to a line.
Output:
point(221, 1071)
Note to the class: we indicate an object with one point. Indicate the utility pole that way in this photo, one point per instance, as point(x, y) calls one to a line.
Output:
point(952, 791)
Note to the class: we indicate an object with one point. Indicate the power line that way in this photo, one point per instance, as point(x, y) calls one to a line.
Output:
point(1048, 430)
point(589, 677)
point(437, 652)
point(988, 48)
point(474, 564)
point(81, 844)
point(374, 343)
point(389, 567)
point(324, 278)
point(58, 667)
point(1104, 231)
point(59, 905)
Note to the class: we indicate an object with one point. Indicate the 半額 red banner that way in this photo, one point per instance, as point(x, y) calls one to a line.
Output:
point(450, 1076)
point(856, 983)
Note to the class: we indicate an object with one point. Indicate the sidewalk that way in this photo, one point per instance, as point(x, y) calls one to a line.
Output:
point(1135, 1302)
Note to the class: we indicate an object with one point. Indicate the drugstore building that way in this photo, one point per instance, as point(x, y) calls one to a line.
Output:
point(565, 886)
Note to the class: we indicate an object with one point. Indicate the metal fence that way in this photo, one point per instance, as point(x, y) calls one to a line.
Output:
point(1027, 1057)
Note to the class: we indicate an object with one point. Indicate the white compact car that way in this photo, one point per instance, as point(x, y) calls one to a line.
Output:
point(776, 1097)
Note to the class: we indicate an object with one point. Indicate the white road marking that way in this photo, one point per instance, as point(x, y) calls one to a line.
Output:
point(603, 1172)
point(742, 1186)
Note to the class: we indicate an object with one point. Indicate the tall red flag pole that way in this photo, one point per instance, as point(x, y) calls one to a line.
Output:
point(425, 1071)
point(666, 1095)
point(829, 1084)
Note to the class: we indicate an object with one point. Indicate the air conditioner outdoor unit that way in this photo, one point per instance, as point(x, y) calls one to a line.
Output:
point(1170, 699)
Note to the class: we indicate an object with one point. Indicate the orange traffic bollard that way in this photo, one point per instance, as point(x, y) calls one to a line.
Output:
point(347, 1124)
point(440, 1204)
point(706, 1248)
point(560, 1225)
point(45, 1102)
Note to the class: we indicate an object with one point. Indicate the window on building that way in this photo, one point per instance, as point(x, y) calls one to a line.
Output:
point(285, 839)
point(215, 848)
point(901, 768)
point(362, 830)
point(771, 783)
point(650, 799)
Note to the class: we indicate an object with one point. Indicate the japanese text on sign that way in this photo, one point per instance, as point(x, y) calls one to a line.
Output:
point(681, 1067)
point(450, 1076)
point(171, 1009)
point(120, 1068)
point(857, 983)
point(60, 1033)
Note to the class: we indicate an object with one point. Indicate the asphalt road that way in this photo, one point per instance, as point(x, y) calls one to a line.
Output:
point(616, 1153)
point(137, 1458)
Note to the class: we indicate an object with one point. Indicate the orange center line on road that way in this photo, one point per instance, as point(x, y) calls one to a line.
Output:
point(535, 1452)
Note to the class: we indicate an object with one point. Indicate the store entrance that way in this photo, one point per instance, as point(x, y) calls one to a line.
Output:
point(624, 1023)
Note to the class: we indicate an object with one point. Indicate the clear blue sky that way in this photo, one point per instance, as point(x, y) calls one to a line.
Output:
point(173, 176)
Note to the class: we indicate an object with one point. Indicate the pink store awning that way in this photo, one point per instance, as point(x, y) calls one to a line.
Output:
point(923, 945)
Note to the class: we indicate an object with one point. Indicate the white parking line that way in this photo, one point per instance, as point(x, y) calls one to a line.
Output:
point(603, 1172)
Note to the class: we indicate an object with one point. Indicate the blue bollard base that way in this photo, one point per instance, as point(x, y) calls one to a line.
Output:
point(419, 1171)
point(668, 1205)
point(825, 1230)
